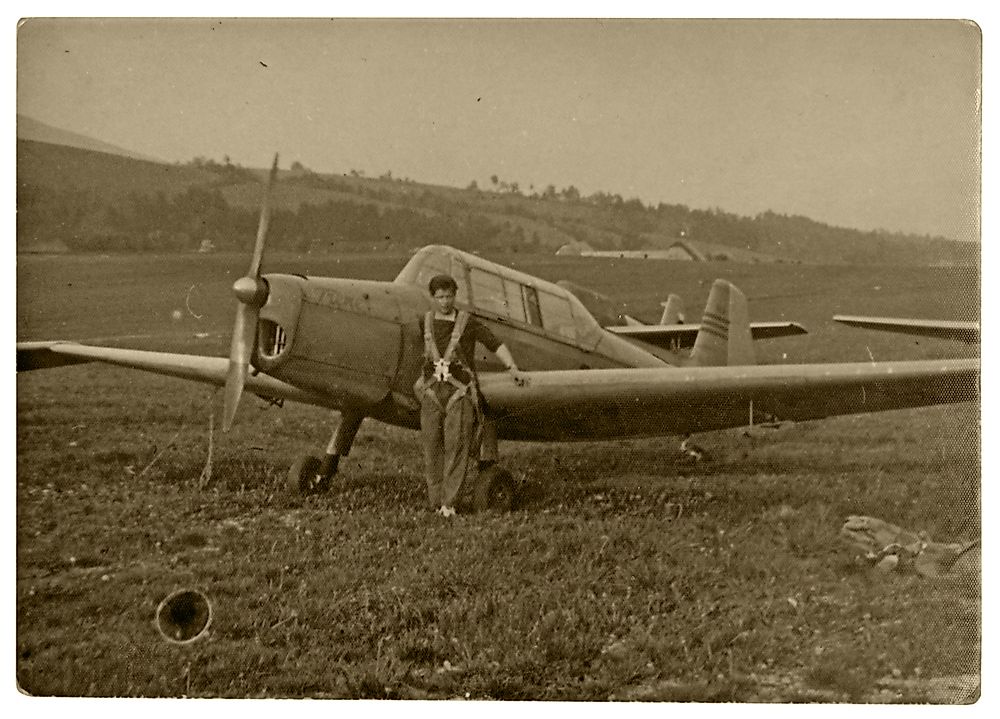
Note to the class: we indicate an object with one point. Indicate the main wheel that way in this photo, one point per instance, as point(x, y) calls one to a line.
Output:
point(495, 490)
point(302, 477)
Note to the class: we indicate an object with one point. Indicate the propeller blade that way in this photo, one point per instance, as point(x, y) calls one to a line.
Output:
point(244, 336)
point(265, 219)
point(251, 294)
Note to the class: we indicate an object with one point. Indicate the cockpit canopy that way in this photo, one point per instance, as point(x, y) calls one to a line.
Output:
point(494, 291)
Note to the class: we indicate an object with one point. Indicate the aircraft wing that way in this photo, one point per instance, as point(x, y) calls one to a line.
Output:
point(617, 403)
point(198, 368)
point(944, 329)
point(683, 336)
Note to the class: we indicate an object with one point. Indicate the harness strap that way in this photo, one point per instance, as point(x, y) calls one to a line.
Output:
point(430, 346)
point(431, 349)
point(456, 335)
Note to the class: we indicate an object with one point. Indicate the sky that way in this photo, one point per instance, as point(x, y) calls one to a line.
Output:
point(863, 124)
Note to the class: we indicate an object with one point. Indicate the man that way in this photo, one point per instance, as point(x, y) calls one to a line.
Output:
point(447, 390)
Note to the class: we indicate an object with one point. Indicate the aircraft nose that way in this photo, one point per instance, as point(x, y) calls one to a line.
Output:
point(251, 291)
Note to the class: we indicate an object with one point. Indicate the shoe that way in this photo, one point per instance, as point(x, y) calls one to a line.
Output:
point(447, 511)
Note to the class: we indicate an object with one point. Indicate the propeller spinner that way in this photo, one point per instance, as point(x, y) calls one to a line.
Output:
point(251, 292)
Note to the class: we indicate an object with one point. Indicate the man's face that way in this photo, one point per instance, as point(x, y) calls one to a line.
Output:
point(445, 301)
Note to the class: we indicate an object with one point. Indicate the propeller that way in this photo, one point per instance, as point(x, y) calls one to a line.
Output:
point(251, 292)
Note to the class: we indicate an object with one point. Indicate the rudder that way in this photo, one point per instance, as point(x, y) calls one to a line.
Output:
point(673, 311)
point(724, 337)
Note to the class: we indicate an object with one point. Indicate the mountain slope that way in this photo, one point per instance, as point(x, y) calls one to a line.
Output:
point(63, 168)
point(29, 128)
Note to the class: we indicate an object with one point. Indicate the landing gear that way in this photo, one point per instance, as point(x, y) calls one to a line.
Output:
point(312, 475)
point(494, 490)
point(307, 476)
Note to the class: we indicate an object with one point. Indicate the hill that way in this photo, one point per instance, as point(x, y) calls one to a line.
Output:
point(29, 128)
point(107, 177)
point(88, 199)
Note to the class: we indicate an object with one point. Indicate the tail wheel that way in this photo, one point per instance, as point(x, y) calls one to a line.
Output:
point(495, 490)
point(302, 477)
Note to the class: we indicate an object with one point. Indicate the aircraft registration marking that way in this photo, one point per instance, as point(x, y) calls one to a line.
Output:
point(339, 300)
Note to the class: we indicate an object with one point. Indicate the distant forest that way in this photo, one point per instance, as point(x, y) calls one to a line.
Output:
point(137, 223)
point(320, 213)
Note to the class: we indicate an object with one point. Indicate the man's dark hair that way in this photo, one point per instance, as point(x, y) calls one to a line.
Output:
point(442, 282)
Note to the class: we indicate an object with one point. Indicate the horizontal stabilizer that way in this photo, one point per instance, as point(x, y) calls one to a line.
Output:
point(673, 337)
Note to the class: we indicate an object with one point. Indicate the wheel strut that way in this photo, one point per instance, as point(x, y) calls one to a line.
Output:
point(339, 446)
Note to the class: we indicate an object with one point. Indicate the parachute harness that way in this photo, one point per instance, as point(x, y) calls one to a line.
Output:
point(442, 363)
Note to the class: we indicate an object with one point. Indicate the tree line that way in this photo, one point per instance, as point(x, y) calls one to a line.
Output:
point(183, 222)
point(391, 212)
point(608, 221)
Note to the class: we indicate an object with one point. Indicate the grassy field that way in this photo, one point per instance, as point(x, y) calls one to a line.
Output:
point(627, 574)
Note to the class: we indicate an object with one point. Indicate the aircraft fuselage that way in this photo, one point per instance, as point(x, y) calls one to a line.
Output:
point(359, 342)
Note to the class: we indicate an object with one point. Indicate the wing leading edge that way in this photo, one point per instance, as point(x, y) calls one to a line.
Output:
point(615, 403)
point(944, 329)
point(197, 368)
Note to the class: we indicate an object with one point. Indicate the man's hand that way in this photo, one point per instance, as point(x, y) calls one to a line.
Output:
point(519, 379)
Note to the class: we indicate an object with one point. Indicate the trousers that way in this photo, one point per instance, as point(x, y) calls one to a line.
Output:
point(489, 450)
point(448, 433)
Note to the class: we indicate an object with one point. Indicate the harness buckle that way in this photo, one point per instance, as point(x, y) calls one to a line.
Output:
point(442, 370)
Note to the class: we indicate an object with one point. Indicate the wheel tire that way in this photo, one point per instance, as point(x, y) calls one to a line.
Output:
point(495, 491)
point(301, 474)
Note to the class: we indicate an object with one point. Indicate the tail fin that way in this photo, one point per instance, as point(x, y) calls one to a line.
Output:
point(673, 311)
point(724, 337)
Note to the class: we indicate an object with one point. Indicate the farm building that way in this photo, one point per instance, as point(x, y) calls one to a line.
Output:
point(677, 251)
point(575, 248)
point(681, 251)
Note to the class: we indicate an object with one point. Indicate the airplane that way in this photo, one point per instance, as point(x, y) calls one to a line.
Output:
point(967, 332)
point(354, 346)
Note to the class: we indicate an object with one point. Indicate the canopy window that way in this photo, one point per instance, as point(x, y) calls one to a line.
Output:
point(557, 316)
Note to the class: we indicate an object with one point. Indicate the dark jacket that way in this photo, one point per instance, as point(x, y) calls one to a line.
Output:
point(463, 363)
